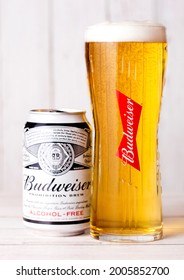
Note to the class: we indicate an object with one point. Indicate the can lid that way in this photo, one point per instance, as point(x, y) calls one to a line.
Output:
point(56, 111)
point(56, 116)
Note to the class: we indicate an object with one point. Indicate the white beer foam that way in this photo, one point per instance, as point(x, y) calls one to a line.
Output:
point(126, 31)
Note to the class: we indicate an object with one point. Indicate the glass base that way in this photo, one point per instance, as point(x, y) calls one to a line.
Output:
point(127, 238)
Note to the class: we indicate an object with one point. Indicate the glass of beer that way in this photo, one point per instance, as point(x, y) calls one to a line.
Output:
point(126, 65)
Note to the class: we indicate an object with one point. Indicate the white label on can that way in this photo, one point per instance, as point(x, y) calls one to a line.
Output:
point(57, 174)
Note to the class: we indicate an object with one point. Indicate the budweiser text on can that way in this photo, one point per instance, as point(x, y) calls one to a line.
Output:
point(126, 64)
point(57, 172)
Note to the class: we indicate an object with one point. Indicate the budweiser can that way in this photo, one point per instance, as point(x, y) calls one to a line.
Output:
point(57, 172)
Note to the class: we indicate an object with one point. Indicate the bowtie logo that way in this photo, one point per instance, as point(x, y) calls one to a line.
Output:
point(130, 112)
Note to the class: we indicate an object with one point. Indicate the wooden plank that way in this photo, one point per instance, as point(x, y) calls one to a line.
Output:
point(17, 234)
point(173, 204)
point(131, 10)
point(10, 205)
point(70, 21)
point(171, 122)
point(108, 252)
point(24, 37)
point(1, 109)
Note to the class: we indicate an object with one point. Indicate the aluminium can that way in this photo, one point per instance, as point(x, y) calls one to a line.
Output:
point(57, 172)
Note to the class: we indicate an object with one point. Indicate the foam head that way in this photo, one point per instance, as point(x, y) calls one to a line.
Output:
point(126, 31)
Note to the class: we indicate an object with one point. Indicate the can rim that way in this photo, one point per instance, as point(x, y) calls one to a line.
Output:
point(56, 111)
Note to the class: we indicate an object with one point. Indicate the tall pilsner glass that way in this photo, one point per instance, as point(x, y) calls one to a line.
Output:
point(126, 64)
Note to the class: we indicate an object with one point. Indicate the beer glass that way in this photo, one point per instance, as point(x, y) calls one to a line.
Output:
point(126, 64)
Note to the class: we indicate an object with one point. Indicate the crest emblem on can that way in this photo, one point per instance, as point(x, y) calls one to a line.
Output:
point(55, 158)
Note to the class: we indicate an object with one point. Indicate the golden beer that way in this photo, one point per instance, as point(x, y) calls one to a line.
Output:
point(126, 64)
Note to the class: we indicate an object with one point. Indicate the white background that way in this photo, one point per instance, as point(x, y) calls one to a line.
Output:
point(42, 65)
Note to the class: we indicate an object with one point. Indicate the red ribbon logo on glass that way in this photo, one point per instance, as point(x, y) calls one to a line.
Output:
point(130, 113)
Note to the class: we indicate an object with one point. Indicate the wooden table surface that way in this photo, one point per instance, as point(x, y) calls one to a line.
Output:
point(17, 242)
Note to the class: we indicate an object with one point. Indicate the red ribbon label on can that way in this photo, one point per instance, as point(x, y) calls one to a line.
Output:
point(130, 112)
